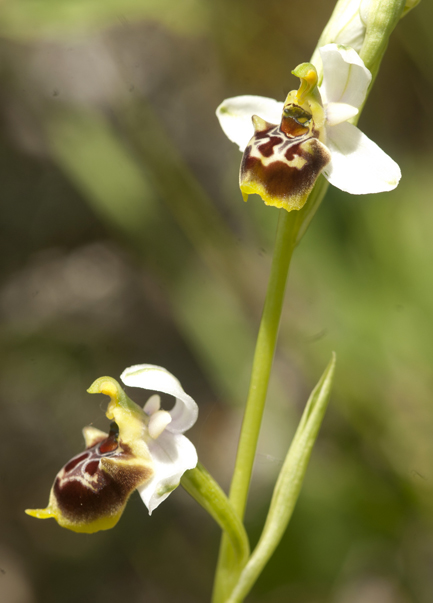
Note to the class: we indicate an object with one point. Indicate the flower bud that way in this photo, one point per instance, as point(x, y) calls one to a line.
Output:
point(365, 26)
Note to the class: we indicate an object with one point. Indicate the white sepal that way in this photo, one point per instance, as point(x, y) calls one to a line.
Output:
point(358, 166)
point(156, 378)
point(172, 455)
point(235, 114)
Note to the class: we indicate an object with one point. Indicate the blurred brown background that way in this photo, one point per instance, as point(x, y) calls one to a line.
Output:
point(125, 240)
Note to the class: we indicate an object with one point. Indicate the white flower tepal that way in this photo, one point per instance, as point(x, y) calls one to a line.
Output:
point(172, 453)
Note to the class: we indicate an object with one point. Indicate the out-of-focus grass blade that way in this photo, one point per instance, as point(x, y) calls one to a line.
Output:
point(33, 19)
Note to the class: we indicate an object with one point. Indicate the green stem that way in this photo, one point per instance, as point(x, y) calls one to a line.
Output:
point(201, 486)
point(261, 370)
point(291, 227)
point(263, 358)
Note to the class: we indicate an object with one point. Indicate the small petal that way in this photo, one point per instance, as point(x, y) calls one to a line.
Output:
point(148, 376)
point(172, 455)
point(358, 166)
point(345, 77)
point(336, 113)
point(158, 422)
point(235, 115)
point(152, 405)
point(92, 435)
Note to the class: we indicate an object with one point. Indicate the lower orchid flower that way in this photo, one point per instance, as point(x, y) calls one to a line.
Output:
point(145, 450)
point(282, 162)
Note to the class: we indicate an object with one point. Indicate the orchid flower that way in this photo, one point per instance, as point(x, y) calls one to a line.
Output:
point(282, 162)
point(145, 450)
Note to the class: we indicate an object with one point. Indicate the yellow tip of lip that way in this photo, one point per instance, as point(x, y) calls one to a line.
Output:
point(40, 513)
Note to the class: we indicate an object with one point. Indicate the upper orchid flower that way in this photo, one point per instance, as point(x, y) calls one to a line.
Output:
point(145, 449)
point(282, 162)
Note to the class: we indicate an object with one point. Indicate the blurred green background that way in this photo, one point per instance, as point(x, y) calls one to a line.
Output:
point(125, 240)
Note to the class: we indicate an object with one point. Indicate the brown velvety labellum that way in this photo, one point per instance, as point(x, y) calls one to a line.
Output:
point(282, 163)
point(97, 483)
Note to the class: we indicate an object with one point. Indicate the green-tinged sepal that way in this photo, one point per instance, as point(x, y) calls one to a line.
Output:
point(282, 163)
point(92, 489)
point(288, 485)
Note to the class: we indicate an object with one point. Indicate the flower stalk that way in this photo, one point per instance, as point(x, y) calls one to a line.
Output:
point(288, 485)
point(263, 358)
point(205, 490)
point(286, 239)
point(290, 230)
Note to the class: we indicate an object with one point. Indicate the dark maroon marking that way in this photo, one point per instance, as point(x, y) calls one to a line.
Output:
point(296, 149)
point(92, 467)
point(74, 462)
point(293, 151)
point(267, 148)
point(265, 133)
